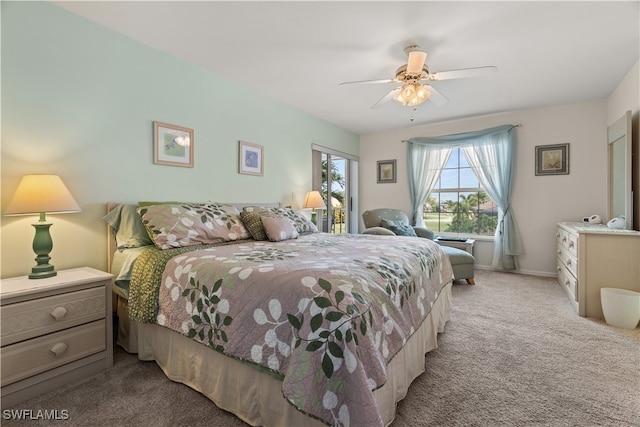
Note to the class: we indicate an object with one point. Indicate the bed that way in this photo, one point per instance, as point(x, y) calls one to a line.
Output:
point(270, 319)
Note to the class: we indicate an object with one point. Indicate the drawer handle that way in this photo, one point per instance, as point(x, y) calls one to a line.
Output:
point(58, 313)
point(59, 348)
point(568, 263)
point(571, 244)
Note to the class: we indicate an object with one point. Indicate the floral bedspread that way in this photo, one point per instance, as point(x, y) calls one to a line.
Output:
point(324, 312)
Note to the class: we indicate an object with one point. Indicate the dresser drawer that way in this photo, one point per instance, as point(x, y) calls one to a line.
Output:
point(572, 244)
point(41, 354)
point(567, 281)
point(569, 261)
point(568, 241)
point(29, 319)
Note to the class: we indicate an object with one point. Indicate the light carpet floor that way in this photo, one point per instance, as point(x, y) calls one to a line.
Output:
point(513, 354)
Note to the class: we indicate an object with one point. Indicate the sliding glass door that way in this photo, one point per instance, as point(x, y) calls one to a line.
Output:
point(333, 177)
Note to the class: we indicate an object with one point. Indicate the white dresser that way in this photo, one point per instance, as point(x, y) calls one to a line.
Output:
point(590, 257)
point(54, 331)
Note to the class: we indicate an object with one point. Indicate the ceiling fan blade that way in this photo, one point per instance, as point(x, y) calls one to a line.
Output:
point(416, 62)
point(386, 98)
point(462, 73)
point(436, 97)
point(370, 81)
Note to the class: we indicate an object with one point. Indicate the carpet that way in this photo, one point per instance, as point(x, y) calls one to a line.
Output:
point(514, 353)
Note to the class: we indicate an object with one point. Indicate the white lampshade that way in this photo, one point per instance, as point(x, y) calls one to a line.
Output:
point(41, 194)
point(313, 200)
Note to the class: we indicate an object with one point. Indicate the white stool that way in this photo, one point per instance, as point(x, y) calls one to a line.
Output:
point(621, 308)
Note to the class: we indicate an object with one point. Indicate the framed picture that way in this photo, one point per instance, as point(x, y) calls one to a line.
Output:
point(172, 145)
point(386, 171)
point(250, 158)
point(552, 159)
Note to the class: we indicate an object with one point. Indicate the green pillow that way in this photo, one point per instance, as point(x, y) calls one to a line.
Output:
point(128, 227)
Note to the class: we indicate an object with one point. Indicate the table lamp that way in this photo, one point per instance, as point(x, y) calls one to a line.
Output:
point(313, 200)
point(42, 194)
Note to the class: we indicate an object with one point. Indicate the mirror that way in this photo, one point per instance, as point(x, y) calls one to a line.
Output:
point(619, 189)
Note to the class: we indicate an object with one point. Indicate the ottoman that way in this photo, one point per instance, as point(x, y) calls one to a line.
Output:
point(462, 263)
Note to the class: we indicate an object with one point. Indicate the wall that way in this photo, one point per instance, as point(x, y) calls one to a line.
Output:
point(626, 97)
point(79, 101)
point(539, 202)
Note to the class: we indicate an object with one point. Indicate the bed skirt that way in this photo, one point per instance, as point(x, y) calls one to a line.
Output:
point(255, 396)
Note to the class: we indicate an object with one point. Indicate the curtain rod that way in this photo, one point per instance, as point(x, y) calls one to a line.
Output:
point(406, 140)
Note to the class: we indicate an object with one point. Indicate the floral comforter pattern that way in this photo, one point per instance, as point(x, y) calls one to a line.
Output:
point(325, 312)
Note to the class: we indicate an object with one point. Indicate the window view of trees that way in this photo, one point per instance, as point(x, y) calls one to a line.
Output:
point(333, 171)
point(337, 181)
point(458, 204)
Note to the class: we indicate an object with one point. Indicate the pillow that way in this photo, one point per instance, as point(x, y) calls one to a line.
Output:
point(399, 228)
point(143, 204)
point(279, 228)
point(302, 224)
point(256, 209)
point(230, 216)
point(253, 223)
point(191, 224)
point(127, 227)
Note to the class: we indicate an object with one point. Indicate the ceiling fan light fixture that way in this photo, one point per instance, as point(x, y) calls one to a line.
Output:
point(412, 94)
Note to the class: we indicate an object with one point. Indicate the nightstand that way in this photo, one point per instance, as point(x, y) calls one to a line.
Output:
point(53, 331)
point(465, 245)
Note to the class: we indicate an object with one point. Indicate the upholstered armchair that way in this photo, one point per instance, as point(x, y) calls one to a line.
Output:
point(391, 222)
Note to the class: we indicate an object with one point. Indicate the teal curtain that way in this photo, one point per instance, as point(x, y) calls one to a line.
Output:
point(491, 153)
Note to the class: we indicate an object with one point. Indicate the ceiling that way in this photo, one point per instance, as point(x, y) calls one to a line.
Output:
point(546, 53)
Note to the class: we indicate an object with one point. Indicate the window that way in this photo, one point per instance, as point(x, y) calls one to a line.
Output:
point(458, 204)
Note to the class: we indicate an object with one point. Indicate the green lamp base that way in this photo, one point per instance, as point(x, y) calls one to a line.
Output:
point(313, 217)
point(41, 273)
point(42, 245)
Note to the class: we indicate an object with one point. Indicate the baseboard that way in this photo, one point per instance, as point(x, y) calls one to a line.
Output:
point(524, 272)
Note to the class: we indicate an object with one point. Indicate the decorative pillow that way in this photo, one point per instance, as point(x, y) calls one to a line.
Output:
point(300, 222)
point(256, 209)
point(279, 228)
point(399, 228)
point(231, 218)
point(127, 227)
point(174, 202)
point(191, 224)
point(253, 223)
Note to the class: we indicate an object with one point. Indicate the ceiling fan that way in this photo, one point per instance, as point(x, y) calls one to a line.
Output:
point(414, 78)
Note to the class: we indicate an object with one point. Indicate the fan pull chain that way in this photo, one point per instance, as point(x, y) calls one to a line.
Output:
point(413, 110)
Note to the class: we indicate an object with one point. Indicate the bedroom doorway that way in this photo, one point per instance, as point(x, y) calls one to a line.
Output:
point(333, 174)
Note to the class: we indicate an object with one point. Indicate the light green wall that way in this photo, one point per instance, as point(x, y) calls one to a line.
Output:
point(79, 101)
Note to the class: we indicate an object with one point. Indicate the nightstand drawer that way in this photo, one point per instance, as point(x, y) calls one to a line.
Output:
point(24, 320)
point(31, 357)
